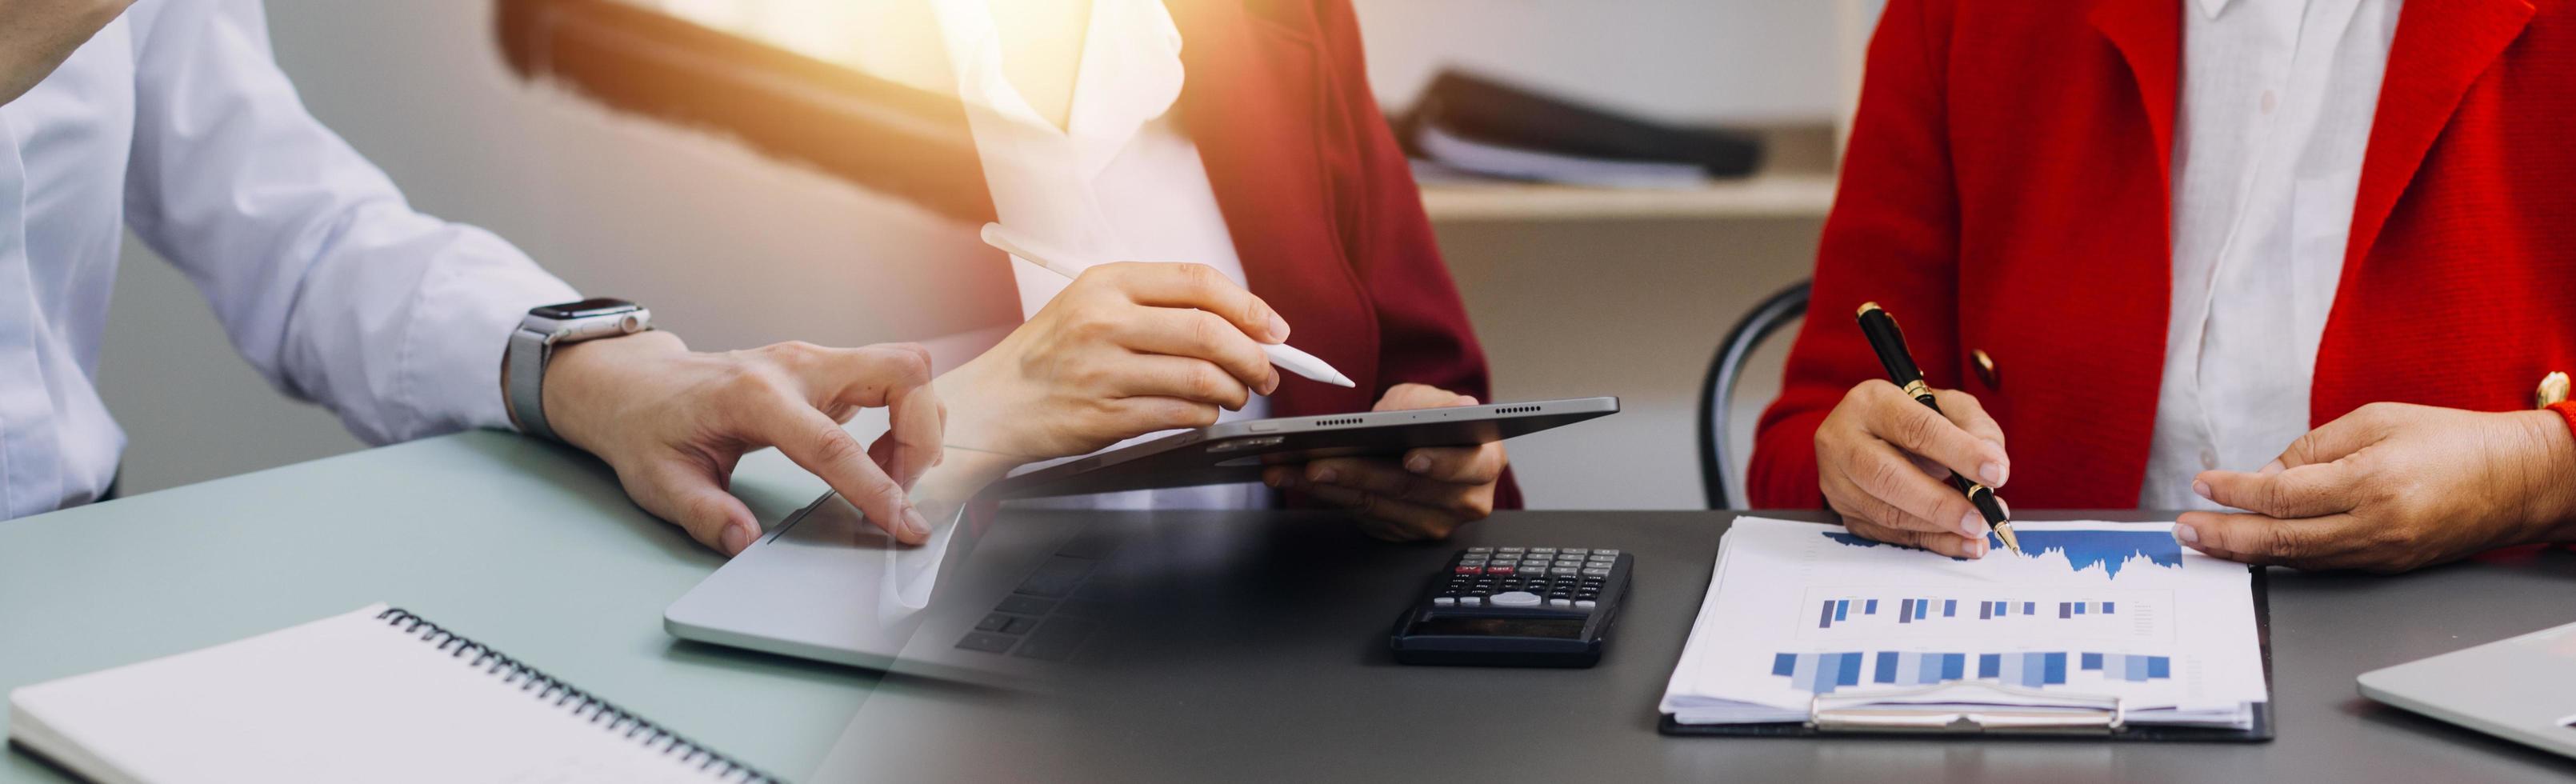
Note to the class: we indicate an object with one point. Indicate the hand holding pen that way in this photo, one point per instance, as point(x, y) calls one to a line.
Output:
point(1904, 463)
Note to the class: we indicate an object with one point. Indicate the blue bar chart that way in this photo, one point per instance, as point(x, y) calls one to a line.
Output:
point(1837, 611)
point(1824, 673)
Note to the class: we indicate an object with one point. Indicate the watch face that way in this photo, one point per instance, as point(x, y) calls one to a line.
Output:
point(595, 306)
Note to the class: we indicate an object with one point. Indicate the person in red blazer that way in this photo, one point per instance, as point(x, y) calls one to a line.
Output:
point(1331, 233)
point(2010, 193)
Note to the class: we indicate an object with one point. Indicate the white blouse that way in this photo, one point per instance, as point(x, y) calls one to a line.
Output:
point(2277, 102)
point(1121, 180)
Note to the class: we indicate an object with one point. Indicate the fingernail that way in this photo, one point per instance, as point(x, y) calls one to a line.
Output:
point(2201, 489)
point(2184, 534)
point(1418, 464)
point(1325, 476)
point(912, 521)
point(735, 539)
point(1977, 548)
point(2273, 467)
point(1993, 474)
point(1278, 328)
point(1972, 525)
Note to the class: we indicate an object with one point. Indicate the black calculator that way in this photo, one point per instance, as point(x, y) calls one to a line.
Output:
point(1516, 607)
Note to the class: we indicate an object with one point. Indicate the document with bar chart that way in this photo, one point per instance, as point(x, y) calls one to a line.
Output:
point(1798, 610)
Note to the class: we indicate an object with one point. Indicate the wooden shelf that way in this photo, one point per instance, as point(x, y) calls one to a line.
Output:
point(1780, 195)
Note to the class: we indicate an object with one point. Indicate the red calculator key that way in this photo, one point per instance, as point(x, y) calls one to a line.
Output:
point(1471, 570)
point(1498, 570)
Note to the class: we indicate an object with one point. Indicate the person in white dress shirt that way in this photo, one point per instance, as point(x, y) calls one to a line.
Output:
point(172, 118)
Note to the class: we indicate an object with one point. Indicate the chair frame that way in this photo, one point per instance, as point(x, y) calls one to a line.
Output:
point(1717, 390)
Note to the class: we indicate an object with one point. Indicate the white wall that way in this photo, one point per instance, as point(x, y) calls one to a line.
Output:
point(735, 250)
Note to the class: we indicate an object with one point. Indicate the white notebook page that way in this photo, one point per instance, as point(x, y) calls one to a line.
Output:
point(347, 698)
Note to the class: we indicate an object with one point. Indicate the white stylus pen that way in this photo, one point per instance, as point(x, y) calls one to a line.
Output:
point(1058, 262)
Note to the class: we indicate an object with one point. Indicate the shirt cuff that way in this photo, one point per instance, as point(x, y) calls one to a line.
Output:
point(453, 359)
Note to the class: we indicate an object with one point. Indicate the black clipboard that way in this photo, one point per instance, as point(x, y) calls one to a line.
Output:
point(2260, 732)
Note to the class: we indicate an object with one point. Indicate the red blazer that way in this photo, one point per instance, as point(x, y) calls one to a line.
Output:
point(2006, 190)
point(1322, 205)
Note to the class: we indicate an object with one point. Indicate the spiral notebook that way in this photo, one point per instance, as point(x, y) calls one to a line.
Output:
point(373, 695)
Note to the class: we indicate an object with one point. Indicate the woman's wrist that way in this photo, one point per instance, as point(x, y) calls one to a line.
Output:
point(2554, 430)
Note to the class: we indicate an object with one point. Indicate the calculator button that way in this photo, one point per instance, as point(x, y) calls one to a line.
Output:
point(1498, 570)
point(1574, 551)
point(1608, 552)
point(1559, 603)
point(1564, 571)
point(1542, 549)
point(1472, 570)
point(1444, 601)
point(1586, 603)
point(1516, 599)
point(1470, 601)
point(1599, 572)
point(1604, 558)
point(1480, 549)
point(1507, 549)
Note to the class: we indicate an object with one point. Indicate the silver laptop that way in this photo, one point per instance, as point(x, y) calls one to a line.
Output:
point(829, 586)
point(2517, 689)
point(1004, 604)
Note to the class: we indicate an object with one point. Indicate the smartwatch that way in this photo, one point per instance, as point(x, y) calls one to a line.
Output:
point(532, 346)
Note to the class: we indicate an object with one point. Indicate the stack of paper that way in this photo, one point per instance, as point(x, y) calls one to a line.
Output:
point(1799, 610)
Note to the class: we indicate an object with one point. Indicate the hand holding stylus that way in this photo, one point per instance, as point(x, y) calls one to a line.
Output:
point(1129, 348)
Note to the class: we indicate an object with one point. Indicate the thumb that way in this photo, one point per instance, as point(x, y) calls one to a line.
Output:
point(691, 498)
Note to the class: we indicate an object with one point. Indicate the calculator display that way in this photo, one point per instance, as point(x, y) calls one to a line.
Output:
point(1558, 628)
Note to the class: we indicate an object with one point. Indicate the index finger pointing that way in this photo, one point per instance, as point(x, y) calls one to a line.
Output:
point(819, 445)
point(2304, 491)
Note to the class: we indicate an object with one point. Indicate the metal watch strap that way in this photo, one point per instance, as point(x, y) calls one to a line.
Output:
point(527, 360)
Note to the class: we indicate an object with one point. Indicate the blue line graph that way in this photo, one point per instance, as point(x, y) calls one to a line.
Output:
point(2108, 549)
point(1823, 673)
point(2083, 549)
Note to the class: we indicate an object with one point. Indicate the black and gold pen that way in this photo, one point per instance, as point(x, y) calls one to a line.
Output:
point(1889, 343)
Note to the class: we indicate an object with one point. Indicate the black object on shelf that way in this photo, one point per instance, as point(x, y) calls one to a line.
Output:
point(1465, 113)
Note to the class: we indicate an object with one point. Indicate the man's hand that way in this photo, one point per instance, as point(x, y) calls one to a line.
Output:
point(2391, 487)
point(1426, 495)
point(1128, 349)
point(39, 34)
point(674, 422)
point(1884, 461)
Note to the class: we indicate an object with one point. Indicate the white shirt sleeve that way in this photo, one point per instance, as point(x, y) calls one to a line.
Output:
point(324, 277)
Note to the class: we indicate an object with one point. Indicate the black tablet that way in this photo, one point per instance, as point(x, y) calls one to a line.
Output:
point(1232, 452)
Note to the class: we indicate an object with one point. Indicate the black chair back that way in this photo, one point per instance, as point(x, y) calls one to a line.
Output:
point(1717, 392)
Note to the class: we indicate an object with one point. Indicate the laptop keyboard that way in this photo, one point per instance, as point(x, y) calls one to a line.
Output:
point(1053, 611)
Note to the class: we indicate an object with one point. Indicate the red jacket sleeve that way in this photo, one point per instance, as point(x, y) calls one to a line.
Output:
point(1424, 335)
point(1892, 238)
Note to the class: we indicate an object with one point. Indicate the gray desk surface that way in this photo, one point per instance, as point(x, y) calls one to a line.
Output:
point(534, 550)
point(1293, 683)
point(523, 545)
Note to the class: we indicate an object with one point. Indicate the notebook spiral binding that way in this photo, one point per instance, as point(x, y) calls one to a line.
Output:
point(583, 704)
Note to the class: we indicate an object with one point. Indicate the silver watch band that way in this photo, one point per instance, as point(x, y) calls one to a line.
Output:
point(527, 360)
